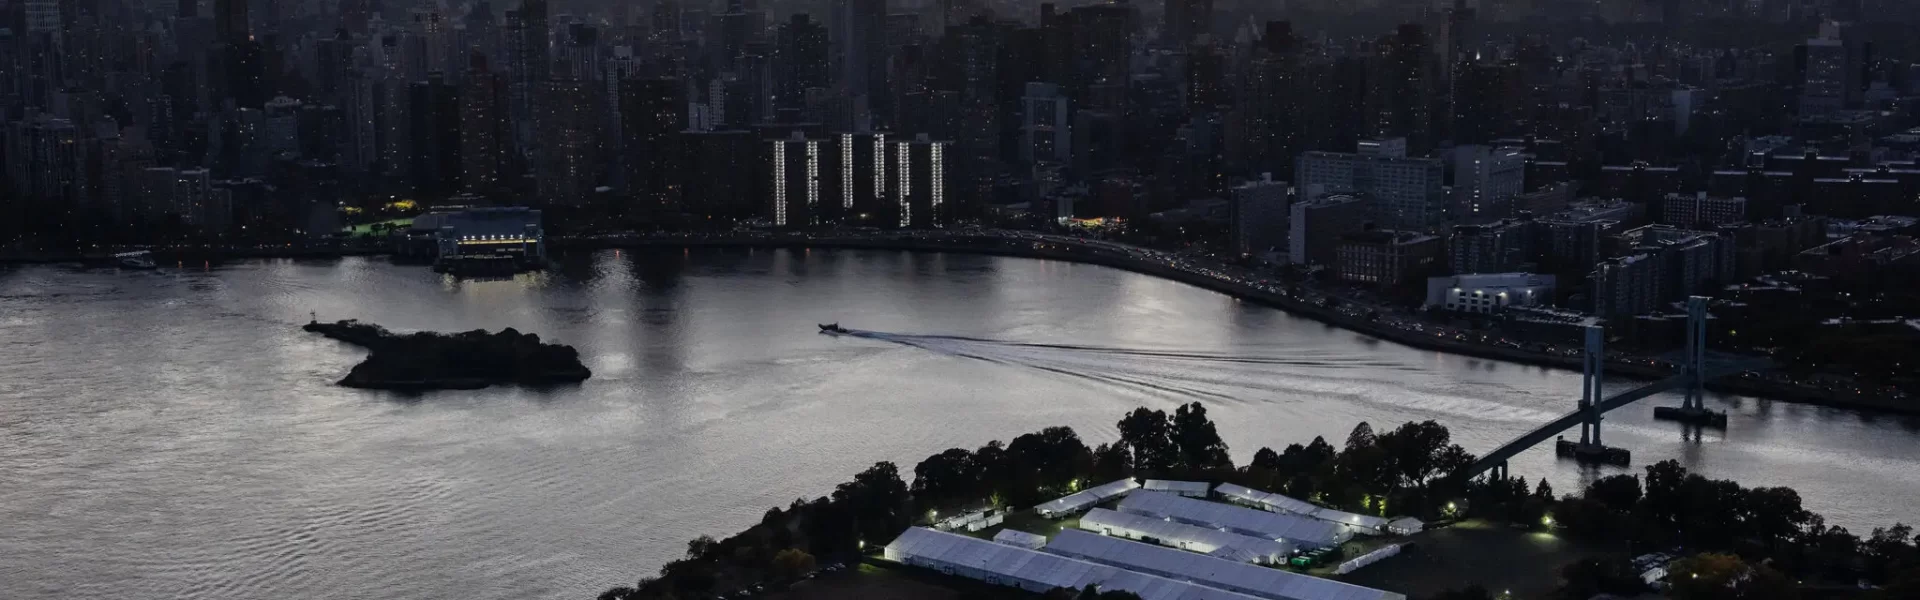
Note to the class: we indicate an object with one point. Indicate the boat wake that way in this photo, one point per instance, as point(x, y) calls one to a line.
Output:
point(1183, 375)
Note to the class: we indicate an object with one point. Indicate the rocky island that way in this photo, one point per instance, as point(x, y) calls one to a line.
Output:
point(461, 361)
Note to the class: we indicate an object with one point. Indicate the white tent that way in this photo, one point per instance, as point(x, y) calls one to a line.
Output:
point(1274, 584)
point(1190, 489)
point(1406, 526)
point(1035, 571)
point(1015, 537)
point(1359, 523)
point(1081, 500)
point(1300, 530)
point(1192, 538)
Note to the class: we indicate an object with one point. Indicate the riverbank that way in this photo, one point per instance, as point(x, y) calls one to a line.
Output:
point(1127, 258)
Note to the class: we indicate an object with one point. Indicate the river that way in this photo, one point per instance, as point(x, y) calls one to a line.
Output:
point(173, 434)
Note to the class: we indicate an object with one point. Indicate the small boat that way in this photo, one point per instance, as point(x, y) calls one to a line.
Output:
point(135, 260)
point(833, 328)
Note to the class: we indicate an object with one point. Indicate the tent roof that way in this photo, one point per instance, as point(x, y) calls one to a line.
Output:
point(1261, 581)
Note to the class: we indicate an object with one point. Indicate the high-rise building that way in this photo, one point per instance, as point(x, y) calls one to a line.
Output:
point(797, 180)
point(801, 61)
point(1401, 93)
point(1314, 227)
point(859, 178)
point(44, 167)
point(1402, 193)
point(653, 113)
point(1485, 182)
point(568, 163)
point(1046, 132)
point(1625, 286)
point(1833, 70)
point(481, 126)
point(860, 47)
point(433, 132)
point(1258, 216)
point(1186, 20)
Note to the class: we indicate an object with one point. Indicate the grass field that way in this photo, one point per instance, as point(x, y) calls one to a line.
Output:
point(1502, 558)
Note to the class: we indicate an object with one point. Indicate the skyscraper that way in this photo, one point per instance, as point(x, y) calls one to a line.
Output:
point(652, 116)
point(800, 59)
point(480, 128)
point(1046, 134)
point(1400, 96)
point(1186, 20)
point(859, 29)
point(567, 167)
point(434, 131)
point(1485, 181)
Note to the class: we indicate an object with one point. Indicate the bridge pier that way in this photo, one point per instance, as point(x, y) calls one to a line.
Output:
point(1693, 409)
point(1592, 372)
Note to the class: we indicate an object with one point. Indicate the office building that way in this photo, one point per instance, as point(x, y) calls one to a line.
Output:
point(653, 113)
point(1258, 216)
point(568, 166)
point(1314, 227)
point(801, 61)
point(1402, 193)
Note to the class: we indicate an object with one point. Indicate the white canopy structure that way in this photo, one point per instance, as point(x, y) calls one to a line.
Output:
point(1264, 582)
point(1300, 530)
point(1359, 523)
point(1083, 499)
point(1036, 571)
point(1190, 489)
point(1015, 537)
point(1406, 526)
point(1192, 538)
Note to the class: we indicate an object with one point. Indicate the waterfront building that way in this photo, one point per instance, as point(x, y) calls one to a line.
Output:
point(490, 239)
point(898, 183)
point(1490, 248)
point(1258, 216)
point(1314, 227)
point(1032, 570)
point(1386, 258)
point(1487, 293)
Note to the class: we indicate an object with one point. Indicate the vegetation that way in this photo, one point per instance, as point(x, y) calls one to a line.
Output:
point(472, 359)
point(1764, 529)
point(1768, 536)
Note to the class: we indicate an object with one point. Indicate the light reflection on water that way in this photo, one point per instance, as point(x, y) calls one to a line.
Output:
point(174, 432)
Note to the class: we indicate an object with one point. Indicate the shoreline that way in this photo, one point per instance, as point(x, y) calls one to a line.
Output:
point(1089, 254)
point(1104, 254)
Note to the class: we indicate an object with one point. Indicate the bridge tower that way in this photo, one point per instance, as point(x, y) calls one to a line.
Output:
point(1693, 409)
point(1592, 374)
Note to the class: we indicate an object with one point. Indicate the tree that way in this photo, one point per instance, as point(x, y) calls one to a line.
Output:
point(1727, 577)
point(1544, 491)
point(700, 547)
point(792, 563)
point(1198, 441)
point(1112, 462)
point(1151, 438)
point(946, 480)
point(1616, 492)
point(1047, 460)
point(1361, 436)
point(877, 499)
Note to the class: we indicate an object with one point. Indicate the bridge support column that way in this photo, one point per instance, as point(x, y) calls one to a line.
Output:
point(1693, 409)
point(1592, 373)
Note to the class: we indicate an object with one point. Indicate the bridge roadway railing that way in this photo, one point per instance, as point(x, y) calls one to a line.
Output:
point(1532, 438)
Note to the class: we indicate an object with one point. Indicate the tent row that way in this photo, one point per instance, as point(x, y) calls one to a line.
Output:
point(1253, 580)
point(1190, 489)
point(1015, 537)
point(1359, 523)
point(973, 521)
point(1301, 531)
point(1084, 499)
point(1192, 538)
point(1035, 571)
point(1366, 559)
